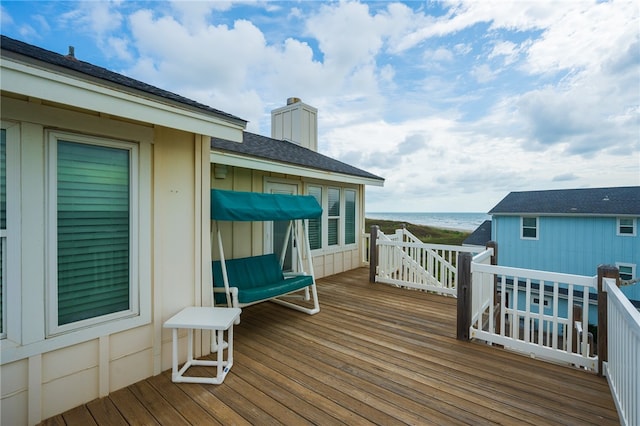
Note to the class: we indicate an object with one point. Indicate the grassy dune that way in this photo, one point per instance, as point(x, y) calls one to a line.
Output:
point(427, 234)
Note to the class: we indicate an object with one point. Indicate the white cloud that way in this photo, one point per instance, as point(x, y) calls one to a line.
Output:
point(455, 108)
point(506, 49)
point(483, 73)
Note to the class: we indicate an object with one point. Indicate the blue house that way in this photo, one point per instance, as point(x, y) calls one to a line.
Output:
point(571, 231)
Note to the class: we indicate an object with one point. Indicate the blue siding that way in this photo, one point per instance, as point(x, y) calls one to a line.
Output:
point(573, 245)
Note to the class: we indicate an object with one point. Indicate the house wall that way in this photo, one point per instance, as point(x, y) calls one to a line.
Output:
point(573, 245)
point(247, 239)
point(46, 375)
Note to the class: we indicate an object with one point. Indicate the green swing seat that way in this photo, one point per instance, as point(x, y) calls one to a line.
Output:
point(257, 278)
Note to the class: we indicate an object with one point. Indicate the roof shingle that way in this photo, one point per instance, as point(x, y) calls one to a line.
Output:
point(258, 146)
point(586, 201)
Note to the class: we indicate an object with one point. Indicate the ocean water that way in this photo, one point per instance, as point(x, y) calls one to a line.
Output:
point(458, 221)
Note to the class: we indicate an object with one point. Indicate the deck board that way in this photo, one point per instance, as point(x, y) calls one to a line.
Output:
point(375, 354)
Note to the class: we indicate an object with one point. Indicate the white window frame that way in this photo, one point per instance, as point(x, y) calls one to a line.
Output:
point(325, 247)
point(634, 225)
point(537, 228)
point(627, 265)
point(52, 327)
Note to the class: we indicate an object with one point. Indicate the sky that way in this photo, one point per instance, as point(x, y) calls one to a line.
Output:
point(454, 103)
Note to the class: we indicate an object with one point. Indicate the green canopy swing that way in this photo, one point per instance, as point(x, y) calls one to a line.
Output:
point(249, 280)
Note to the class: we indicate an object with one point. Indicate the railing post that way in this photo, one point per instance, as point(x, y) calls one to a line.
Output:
point(373, 253)
point(496, 297)
point(493, 245)
point(604, 271)
point(464, 295)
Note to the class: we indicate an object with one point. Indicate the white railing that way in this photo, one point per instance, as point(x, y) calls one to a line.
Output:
point(405, 261)
point(365, 240)
point(539, 313)
point(622, 367)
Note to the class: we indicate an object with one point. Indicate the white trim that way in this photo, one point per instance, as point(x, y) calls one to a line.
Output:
point(537, 228)
point(261, 164)
point(28, 80)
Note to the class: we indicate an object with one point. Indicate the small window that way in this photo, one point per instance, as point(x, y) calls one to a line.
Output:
point(626, 227)
point(627, 271)
point(529, 228)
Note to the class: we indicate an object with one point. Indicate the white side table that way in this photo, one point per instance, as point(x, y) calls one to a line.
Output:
point(203, 318)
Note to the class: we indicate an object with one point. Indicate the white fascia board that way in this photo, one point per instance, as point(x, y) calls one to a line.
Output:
point(54, 87)
point(236, 160)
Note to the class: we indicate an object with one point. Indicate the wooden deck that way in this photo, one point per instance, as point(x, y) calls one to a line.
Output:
point(375, 354)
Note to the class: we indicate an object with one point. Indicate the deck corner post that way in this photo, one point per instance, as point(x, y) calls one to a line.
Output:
point(493, 245)
point(373, 253)
point(604, 271)
point(464, 296)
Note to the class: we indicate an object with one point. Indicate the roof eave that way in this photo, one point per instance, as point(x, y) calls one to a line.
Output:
point(256, 163)
point(35, 79)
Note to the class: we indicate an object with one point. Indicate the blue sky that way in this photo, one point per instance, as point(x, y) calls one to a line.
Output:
point(454, 103)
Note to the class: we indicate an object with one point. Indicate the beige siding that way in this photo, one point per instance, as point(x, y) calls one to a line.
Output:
point(44, 377)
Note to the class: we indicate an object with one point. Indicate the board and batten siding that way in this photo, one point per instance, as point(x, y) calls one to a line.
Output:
point(572, 245)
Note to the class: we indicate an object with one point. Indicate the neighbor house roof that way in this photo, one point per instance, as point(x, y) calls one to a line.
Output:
point(290, 153)
point(77, 68)
point(588, 201)
point(481, 236)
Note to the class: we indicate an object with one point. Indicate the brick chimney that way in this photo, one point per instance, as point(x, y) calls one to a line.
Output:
point(296, 122)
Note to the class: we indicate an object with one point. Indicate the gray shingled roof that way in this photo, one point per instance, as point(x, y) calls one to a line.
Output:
point(74, 65)
point(258, 146)
point(588, 201)
point(481, 236)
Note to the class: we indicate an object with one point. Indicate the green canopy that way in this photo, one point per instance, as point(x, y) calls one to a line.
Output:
point(256, 206)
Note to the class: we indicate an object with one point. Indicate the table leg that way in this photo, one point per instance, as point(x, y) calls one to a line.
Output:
point(174, 348)
point(230, 347)
point(190, 332)
point(219, 352)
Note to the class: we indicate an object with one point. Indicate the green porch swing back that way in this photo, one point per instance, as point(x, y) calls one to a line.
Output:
point(254, 206)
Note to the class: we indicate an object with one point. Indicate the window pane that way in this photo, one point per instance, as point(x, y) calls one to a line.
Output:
point(529, 225)
point(350, 216)
point(626, 272)
point(333, 232)
point(334, 202)
point(315, 225)
point(93, 231)
point(626, 226)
